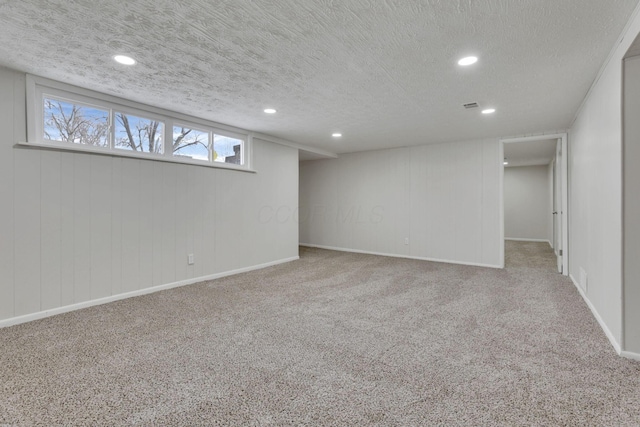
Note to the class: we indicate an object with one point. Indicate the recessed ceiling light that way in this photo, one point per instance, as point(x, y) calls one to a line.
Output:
point(126, 60)
point(469, 60)
point(336, 135)
point(269, 110)
point(505, 163)
point(489, 111)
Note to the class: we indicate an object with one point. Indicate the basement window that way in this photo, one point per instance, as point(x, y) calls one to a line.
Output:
point(192, 143)
point(70, 118)
point(228, 149)
point(138, 134)
point(74, 123)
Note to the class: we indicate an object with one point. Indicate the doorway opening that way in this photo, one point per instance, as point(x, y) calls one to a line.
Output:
point(534, 200)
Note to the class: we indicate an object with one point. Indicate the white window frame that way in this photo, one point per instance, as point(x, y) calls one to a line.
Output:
point(81, 101)
point(234, 136)
point(195, 127)
point(143, 115)
point(39, 87)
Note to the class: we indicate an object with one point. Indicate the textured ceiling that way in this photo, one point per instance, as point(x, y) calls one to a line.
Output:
point(530, 153)
point(383, 72)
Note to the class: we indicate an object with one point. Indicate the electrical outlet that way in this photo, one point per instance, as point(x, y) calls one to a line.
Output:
point(190, 259)
point(406, 240)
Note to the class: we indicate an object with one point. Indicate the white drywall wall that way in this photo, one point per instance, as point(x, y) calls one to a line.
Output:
point(550, 218)
point(526, 203)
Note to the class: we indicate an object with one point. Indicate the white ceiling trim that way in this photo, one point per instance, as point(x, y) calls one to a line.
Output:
point(275, 140)
point(534, 138)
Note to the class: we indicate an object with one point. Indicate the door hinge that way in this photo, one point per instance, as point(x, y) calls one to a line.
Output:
point(560, 252)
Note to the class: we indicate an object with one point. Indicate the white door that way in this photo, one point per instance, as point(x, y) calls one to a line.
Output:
point(557, 204)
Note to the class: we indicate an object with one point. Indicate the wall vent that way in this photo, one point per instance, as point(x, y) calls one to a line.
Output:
point(470, 105)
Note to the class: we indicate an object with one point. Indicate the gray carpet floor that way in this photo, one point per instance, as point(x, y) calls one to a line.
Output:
point(332, 339)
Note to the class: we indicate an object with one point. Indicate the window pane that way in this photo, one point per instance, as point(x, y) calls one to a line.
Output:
point(227, 149)
point(190, 143)
point(78, 124)
point(138, 134)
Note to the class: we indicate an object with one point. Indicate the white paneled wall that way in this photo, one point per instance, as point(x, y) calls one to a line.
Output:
point(631, 205)
point(78, 227)
point(595, 193)
point(443, 198)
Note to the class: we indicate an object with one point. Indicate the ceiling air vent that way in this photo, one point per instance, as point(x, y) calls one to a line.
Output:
point(471, 105)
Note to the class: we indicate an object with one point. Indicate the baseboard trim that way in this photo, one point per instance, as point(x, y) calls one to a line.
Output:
point(630, 355)
point(357, 251)
point(529, 240)
point(59, 310)
point(605, 328)
point(512, 239)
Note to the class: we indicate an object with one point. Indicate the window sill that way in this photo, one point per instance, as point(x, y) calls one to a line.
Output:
point(129, 155)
